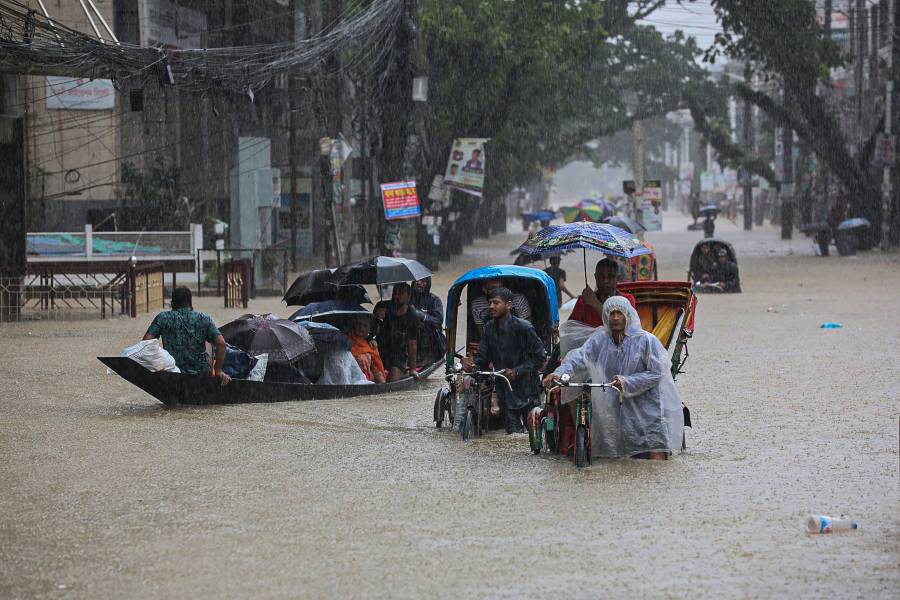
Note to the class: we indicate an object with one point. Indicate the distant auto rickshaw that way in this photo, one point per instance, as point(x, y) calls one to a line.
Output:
point(708, 273)
point(466, 400)
point(666, 309)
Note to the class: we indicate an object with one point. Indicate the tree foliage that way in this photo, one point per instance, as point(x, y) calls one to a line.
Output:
point(543, 78)
point(152, 197)
point(787, 44)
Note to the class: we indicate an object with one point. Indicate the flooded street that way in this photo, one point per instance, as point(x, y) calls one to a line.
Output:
point(107, 494)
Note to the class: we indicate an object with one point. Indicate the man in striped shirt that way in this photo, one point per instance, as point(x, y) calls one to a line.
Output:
point(480, 305)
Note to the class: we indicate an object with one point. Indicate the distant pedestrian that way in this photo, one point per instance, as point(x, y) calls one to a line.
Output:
point(559, 278)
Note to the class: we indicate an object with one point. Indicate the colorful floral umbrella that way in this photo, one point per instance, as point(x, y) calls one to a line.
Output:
point(603, 204)
point(590, 212)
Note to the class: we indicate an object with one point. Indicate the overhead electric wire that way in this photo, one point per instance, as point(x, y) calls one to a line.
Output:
point(30, 43)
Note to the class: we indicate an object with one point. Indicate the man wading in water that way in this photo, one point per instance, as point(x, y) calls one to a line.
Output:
point(512, 346)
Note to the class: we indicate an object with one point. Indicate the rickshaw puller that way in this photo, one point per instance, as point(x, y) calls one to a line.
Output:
point(512, 346)
point(650, 423)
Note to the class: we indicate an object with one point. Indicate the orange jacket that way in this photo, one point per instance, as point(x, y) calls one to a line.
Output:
point(360, 347)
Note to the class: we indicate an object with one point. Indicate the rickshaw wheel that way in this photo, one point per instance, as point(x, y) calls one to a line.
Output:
point(581, 447)
point(552, 438)
point(439, 409)
point(467, 429)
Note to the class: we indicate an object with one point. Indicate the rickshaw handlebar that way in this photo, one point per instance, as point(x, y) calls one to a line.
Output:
point(484, 374)
point(570, 384)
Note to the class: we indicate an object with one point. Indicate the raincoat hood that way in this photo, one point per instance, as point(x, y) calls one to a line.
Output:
point(621, 304)
point(427, 289)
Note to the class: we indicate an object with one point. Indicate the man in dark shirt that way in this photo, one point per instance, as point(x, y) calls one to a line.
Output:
point(724, 274)
point(510, 345)
point(559, 278)
point(428, 307)
point(185, 332)
point(398, 334)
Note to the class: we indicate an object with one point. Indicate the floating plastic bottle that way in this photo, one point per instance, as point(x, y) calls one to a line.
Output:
point(826, 524)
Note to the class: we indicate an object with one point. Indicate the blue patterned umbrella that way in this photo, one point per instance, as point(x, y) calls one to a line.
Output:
point(599, 237)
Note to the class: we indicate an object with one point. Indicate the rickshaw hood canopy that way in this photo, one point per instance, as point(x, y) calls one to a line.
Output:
point(503, 271)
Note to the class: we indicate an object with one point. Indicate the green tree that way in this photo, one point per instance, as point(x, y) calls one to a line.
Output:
point(785, 41)
point(151, 198)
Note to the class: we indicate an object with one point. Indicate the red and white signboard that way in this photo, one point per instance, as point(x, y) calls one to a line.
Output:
point(401, 201)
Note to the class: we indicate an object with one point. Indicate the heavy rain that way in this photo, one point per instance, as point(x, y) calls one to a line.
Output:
point(449, 298)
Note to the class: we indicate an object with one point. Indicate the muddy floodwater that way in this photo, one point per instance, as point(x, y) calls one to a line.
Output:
point(104, 493)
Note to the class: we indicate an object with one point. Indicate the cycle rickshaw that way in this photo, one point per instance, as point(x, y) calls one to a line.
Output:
point(666, 309)
point(466, 399)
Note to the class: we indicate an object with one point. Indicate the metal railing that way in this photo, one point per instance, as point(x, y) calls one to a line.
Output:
point(56, 291)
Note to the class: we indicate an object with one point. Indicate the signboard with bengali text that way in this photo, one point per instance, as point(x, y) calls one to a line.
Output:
point(401, 201)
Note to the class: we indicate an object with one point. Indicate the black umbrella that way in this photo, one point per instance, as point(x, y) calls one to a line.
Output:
point(320, 285)
point(327, 337)
point(329, 308)
point(626, 223)
point(381, 270)
point(282, 340)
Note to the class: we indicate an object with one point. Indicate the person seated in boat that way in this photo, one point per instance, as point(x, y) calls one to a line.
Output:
point(185, 333)
point(589, 305)
point(283, 372)
point(649, 423)
point(364, 351)
point(431, 343)
point(398, 334)
point(480, 305)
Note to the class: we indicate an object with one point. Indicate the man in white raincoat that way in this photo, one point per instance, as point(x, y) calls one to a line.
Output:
point(649, 424)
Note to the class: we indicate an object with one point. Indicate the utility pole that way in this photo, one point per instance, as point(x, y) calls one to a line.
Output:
point(822, 175)
point(787, 184)
point(292, 159)
point(748, 143)
point(888, 230)
point(637, 138)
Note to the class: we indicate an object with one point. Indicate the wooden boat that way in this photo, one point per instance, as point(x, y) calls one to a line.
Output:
point(174, 389)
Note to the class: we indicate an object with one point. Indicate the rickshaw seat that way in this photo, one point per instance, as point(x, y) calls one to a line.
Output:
point(667, 317)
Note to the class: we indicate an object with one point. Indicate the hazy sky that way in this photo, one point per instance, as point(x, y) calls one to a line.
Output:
point(694, 18)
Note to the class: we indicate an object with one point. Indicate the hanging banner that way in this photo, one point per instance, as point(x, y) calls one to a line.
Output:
point(651, 216)
point(465, 169)
point(653, 193)
point(401, 201)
